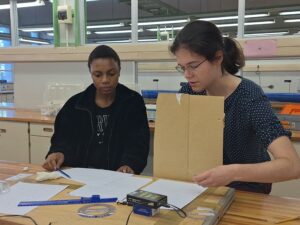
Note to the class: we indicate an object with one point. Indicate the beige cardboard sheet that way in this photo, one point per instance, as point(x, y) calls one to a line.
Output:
point(188, 136)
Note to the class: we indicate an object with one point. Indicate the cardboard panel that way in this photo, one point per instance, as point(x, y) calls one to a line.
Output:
point(206, 124)
point(188, 135)
point(171, 137)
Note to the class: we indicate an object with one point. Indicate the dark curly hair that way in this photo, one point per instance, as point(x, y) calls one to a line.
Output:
point(103, 51)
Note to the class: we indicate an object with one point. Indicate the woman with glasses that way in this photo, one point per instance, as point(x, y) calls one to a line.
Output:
point(210, 62)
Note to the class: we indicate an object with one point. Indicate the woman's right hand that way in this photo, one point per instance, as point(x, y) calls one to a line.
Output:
point(54, 161)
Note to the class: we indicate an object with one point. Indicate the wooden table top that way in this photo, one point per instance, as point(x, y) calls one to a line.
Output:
point(246, 209)
point(24, 115)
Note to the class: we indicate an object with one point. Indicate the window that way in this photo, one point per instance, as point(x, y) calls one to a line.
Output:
point(281, 18)
point(161, 20)
point(35, 24)
point(108, 21)
point(6, 74)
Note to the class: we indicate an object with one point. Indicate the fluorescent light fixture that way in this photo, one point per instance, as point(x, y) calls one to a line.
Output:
point(105, 26)
point(257, 15)
point(260, 22)
point(292, 21)
point(116, 31)
point(163, 22)
point(148, 40)
point(152, 40)
point(33, 41)
point(51, 34)
point(86, 0)
point(25, 4)
point(266, 34)
point(129, 40)
point(117, 41)
point(218, 25)
point(287, 13)
point(234, 17)
point(165, 29)
point(36, 29)
point(246, 24)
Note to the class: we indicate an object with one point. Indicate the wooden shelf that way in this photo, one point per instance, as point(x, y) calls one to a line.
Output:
point(157, 51)
point(127, 52)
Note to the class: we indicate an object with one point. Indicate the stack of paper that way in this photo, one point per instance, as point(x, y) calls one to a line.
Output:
point(26, 192)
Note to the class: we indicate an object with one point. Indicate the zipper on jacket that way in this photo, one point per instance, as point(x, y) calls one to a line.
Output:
point(111, 130)
point(91, 138)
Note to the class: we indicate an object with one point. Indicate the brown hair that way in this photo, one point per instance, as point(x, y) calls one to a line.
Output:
point(204, 38)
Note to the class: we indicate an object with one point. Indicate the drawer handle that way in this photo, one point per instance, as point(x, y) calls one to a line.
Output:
point(2, 130)
point(46, 129)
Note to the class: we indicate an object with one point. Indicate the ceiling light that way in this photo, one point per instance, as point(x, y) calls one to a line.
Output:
point(246, 24)
point(147, 40)
point(51, 34)
point(292, 21)
point(105, 26)
point(266, 34)
point(165, 29)
point(117, 41)
point(289, 13)
point(163, 22)
point(86, 0)
point(260, 22)
point(218, 25)
point(36, 29)
point(33, 41)
point(234, 17)
point(116, 31)
point(26, 4)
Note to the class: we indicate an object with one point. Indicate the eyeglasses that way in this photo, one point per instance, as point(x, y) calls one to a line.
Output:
point(189, 68)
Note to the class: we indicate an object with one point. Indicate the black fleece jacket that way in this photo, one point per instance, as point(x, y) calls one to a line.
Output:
point(128, 140)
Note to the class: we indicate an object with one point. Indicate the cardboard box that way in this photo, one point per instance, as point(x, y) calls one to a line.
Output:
point(188, 137)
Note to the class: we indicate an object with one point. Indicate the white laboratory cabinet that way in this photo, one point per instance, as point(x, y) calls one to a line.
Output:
point(40, 136)
point(14, 144)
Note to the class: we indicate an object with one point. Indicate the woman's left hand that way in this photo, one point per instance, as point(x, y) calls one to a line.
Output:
point(125, 169)
point(218, 176)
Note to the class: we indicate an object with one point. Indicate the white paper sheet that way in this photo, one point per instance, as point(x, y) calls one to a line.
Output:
point(26, 192)
point(179, 193)
point(118, 188)
point(19, 176)
point(94, 176)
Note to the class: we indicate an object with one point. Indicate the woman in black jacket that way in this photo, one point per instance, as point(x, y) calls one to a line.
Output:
point(103, 127)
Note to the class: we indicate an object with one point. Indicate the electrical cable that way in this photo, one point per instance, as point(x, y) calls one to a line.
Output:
point(22, 216)
point(129, 216)
point(178, 210)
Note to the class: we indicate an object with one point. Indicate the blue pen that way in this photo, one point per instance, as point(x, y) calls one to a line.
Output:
point(82, 200)
point(63, 173)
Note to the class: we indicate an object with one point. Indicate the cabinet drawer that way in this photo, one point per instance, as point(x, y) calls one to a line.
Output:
point(45, 130)
point(14, 144)
point(39, 148)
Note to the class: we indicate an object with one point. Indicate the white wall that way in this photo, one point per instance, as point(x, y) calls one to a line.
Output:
point(171, 81)
point(31, 79)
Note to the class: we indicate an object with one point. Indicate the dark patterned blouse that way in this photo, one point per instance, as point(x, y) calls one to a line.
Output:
point(250, 127)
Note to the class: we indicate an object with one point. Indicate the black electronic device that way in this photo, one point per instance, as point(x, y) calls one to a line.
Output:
point(146, 198)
